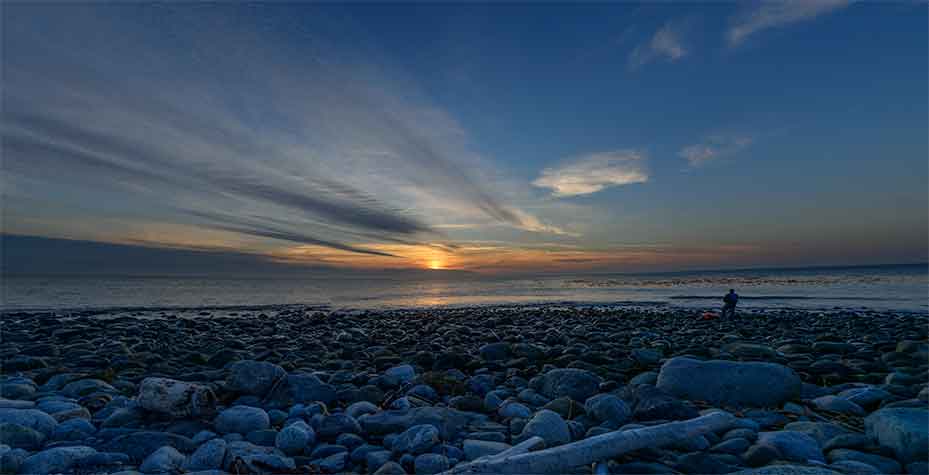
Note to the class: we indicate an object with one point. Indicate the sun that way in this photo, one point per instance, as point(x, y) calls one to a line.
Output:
point(435, 264)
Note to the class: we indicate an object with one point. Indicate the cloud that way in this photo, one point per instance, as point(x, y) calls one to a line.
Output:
point(312, 143)
point(665, 45)
point(714, 147)
point(594, 172)
point(776, 14)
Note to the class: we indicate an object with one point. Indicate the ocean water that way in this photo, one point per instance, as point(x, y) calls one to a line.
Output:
point(898, 288)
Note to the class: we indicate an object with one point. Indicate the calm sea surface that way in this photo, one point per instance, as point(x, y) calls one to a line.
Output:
point(901, 287)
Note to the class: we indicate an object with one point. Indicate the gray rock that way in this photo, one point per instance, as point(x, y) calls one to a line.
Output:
point(208, 456)
point(165, 459)
point(14, 404)
point(733, 446)
point(84, 387)
point(331, 426)
point(549, 426)
point(54, 460)
point(73, 429)
point(140, 444)
point(883, 464)
point(429, 464)
point(511, 409)
point(390, 468)
point(416, 440)
point(495, 351)
point(921, 468)
point(847, 441)
point(403, 373)
point(787, 470)
point(295, 438)
point(361, 408)
point(242, 420)
point(376, 459)
point(905, 431)
point(608, 409)
point(839, 405)
point(176, 398)
point(31, 418)
point(853, 467)
point(253, 377)
point(792, 445)
point(303, 388)
point(729, 383)
point(821, 431)
point(578, 384)
point(334, 463)
point(648, 377)
point(449, 421)
point(21, 437)
point(479, 448)
point(867, 398)
point(255, 459)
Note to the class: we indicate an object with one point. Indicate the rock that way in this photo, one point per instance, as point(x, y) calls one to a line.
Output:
point(549, 426)
point(429, 464)
point(73, 429)
point(650, 403)
point(350, 441)
point(648, 377)
point(868, 398)
point(390, 468)
point(176, 398)
point(302, 388)
point(17, 391)
point(416, 440)
point(578, 384)
point(792, 445)
point(208, 456)
point(165, 459)
point(495, 351)
point(402, 373)
point(324, 450)
point(11, 460)
point(608, 409)
point(852, 467)
point(331, 426)
point(703, 463)
point(377, 458)
point(449, 421)
point(21, 437)
point(734, 446)
point(140, 444)
point(253, 377)
point(821, 431)
point(479, 448)
point(565, 407)
point(245, 457)
point(31, 418)
point(511, 409)
point(265, 437)
point(787, 470)
point(847, 441)
point(13, 404)
point(750, 350)
point(334, 463)
point(83, 387)
point(295, 438)
point(882, 464)
point(729, 383)
point(905, 431)
point(242, 420)
point(646, 357)
point(361, 408)
point(55, 460)
point(839, 405)
point(921, 468)
point(481, 384)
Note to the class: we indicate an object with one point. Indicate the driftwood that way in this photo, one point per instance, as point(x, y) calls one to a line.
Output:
point(518, 459)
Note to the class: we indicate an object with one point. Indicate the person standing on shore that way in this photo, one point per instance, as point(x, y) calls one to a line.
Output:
point(729, 302)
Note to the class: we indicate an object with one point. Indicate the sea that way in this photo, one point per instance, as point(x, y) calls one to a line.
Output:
point(900, 288)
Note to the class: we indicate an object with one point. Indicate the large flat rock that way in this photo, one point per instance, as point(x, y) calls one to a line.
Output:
point(729, 383)
point(904, 430)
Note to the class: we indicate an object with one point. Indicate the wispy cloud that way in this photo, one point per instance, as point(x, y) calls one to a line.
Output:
point(594, 172)
point(776, 14)
point(665, 45)
point(183, 138)
point(714, 147)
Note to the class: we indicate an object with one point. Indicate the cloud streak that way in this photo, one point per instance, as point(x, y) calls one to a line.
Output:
point(714, 147)
point(594, 172)
point(778, 14)
point(665, 45)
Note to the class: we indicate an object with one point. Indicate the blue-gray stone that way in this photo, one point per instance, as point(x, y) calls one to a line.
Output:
point(578, 384)
point(20, 437)
point(295, 438)
point(729, 383)
point(549, 426)
point(31, 418)
point(208, 456)
point(253, 377)
point(416, 440)
point(905, 431)
point(55, 460)
point(792, 445)
point(165, 459)
point(429, 464)
point(242, 420)
point(608, 409)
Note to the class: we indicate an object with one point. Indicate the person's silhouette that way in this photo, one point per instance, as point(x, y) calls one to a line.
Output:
point(729, 302)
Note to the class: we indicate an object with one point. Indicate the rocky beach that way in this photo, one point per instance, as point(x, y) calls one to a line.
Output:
point(529, 389)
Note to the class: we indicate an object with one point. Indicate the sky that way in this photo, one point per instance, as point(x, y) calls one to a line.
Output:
point(488, 138)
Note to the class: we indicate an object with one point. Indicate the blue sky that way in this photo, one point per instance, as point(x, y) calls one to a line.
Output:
point(482, 137)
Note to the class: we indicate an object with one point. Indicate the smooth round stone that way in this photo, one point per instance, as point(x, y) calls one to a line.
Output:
point(905, 431)
point(295, 438)
point(792, 445)
point(733, 446)
point(55, 460)
point(165, 459)
point(334, 463)
point(429, 464)
point(608, 409)
point(361, 408)
point(513, 409)
point(416, 440)
point(403, 373)
point(549, 426)
point(208, 456)
point(242, 420)
point(838, 405)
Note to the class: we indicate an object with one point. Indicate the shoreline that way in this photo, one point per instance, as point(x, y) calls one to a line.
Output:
point(356, 389)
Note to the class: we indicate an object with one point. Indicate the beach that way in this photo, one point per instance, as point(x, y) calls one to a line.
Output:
point(297, 389)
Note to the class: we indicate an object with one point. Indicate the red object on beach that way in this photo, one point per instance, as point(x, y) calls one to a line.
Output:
point(710, 315)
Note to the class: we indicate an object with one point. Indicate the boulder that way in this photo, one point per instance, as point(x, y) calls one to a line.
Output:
point(788, 470)
point(905, 431)
point(176, 398)
point(403, 373)
point(20, 437)
point(449, 421)
point(165, 459)
point(578, 384)
point(140, 444)
point(242, 420)
point(245, 457)
point(549, 426)
point(253, 377)
point(295, 438)
point(882, 464)
point(31, 418)
point(302, 388)
point(729, 383)
point(55, 460)
point(333, 425)
point(838, 405)
point(208, 456)
point(416, 440)
point(608, 409)
point(793, 446)
point(474, 449)
point(495, 351)
point(429, 464)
